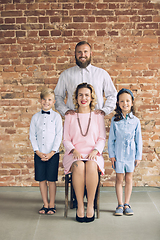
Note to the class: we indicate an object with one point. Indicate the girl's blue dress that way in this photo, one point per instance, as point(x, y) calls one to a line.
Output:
point(125, 143)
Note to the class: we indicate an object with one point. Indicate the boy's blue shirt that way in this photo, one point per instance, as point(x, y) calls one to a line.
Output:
point(46, 132)
point(125, 139)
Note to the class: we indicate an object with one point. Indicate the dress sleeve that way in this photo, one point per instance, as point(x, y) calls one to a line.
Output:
point(102, 134)
point(111, 140)
point(67, 141)
point(138, 141)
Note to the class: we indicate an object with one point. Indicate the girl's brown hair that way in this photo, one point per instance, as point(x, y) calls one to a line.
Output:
point(118, 115)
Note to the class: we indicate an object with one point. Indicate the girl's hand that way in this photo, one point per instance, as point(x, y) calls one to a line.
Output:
point(113, 160)
point(93, 155)
point(137, 162)
point(76, 154)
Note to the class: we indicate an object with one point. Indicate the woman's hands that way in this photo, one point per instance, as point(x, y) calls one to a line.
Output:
point(93, 155)
point(76, 154)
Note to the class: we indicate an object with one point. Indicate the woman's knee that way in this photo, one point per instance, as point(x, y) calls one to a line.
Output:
point(92, 167)
point(78, 166)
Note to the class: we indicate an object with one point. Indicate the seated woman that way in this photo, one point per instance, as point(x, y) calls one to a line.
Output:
point(84, 141)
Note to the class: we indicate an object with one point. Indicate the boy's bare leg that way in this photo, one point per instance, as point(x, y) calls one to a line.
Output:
point(44, 194)
point(52, 195)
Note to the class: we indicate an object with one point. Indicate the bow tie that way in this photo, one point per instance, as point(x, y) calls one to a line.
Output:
point(43, 112)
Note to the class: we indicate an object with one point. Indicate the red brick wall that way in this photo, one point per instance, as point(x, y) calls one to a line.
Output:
point(37, 40)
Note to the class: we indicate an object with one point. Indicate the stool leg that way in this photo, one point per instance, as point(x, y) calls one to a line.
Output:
point(98, 193)
point(97, 196)
point(71, 200)
point(66, 196)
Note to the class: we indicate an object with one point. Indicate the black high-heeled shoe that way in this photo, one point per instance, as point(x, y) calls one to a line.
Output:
point(80, 219)
point(90, 219)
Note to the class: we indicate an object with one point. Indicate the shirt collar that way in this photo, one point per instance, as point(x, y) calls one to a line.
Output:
point(130, 115)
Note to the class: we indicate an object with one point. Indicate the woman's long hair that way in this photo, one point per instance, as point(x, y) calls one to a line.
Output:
point(93, 95)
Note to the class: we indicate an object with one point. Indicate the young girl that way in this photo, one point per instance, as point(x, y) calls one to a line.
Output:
point(125, 147)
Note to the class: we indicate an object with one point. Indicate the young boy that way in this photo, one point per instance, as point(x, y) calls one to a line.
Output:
point(45, 137)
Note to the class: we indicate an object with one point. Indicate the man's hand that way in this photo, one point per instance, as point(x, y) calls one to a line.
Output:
point(72, 112)
point(98, 111)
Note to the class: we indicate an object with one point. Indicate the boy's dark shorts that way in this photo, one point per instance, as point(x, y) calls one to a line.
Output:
point(46, 170)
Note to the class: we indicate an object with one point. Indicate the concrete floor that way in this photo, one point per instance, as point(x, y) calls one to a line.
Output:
point(19, 219)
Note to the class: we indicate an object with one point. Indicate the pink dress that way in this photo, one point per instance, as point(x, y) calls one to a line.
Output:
point(73, 138)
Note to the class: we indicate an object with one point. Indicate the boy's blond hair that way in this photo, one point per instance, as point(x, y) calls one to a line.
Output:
point(45, 92)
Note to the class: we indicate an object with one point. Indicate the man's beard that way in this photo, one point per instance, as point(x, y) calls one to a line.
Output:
point(83, 64)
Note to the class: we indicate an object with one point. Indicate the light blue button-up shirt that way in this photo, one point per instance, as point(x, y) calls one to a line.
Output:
point(46, 132)
point(97, 77)
point(125, 139)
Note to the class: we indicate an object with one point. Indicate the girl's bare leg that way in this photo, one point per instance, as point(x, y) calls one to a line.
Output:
point(128, 186)
point(119, 187)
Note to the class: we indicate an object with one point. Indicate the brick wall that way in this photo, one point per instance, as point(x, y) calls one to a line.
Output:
point(37, 40)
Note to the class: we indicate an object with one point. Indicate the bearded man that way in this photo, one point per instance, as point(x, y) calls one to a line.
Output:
point(84, 72)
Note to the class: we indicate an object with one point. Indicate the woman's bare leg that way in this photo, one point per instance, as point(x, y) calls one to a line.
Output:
point(78, 176)
point(91, 186)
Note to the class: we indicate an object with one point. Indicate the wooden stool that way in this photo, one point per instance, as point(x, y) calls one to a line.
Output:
point(68, 180)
